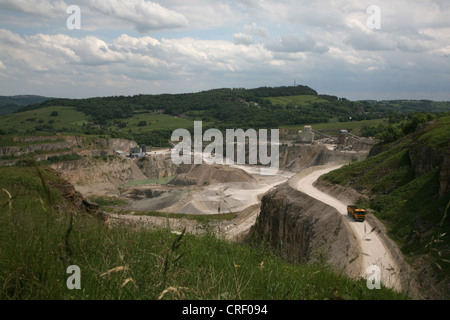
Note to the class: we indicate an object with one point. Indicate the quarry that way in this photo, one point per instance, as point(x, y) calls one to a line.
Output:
point(241, 201)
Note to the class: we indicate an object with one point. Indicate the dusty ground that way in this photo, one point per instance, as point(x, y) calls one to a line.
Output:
point(214, 197)
point(242, 198)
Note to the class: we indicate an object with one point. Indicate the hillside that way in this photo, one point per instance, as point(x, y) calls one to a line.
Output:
point(406, 185)
point(10, 104)
point(150, 119)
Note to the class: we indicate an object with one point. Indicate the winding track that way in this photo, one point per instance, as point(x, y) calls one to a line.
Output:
point(373, 250)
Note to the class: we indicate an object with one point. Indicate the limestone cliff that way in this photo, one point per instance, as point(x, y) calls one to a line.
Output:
point(158, 166)
point(299, 157)
point(91, 172)
point(50, 144)
point(79, 145)
point(304, 229)
point(211, 174)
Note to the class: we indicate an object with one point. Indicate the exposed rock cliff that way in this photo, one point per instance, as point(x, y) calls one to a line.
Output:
point(424, 157)
point(304, 229)
point(299, 157)
point(68, 143)
point(211, 174)
point(158, 166)
point(99, 175)
point(76, 144)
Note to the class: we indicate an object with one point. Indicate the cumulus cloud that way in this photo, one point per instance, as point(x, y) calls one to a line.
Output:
point(139, 58)
point(325, 44)
point(255, 30)
point(43, 10)
point(143, 15)
point(293, 43)
point(241, 38)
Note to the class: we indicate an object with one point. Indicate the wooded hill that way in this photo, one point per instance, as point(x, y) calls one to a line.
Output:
point(140, 117)
point(236, 107)
point(10, 104)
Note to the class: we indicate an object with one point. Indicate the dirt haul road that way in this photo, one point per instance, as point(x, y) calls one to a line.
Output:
point(373, 251)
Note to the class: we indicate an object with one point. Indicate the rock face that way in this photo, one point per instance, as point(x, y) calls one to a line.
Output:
point(211, 174)
point(424, 158)
point(299, 157)
point(68, 143)
point(119, 144)
point(97, 147)
point(90, 171)
point(304, 229)
point(156, 167)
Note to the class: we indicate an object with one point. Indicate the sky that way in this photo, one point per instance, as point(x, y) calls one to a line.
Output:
point(357, 49)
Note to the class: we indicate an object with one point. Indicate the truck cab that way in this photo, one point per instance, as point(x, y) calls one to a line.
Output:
point(358, 214)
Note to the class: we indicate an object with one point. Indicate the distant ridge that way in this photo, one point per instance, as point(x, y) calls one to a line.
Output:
point(10, 104)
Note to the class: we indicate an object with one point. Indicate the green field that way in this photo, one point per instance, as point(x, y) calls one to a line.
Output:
point(22, 122)
point(303, 100)
point(154, 122)
point(40, 122)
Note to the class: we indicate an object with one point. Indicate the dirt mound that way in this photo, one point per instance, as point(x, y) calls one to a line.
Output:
point(205, 174)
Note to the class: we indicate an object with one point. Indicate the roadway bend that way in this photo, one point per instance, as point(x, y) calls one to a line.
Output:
point(373, 249)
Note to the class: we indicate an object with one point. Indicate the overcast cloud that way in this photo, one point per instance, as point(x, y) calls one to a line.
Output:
point(127, 47)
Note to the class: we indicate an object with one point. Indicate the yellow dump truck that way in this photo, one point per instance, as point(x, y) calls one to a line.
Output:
point(357, 213)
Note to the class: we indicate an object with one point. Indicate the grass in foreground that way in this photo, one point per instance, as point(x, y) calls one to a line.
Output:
point(41, 235)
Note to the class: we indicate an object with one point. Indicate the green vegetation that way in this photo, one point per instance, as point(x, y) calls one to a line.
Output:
point(296, 101)
point(203, 218)
point(413, 106)
point(66, 157)
point(406, 197)
point(12, 104)
point(438, 133)
point(150, 119)
point(67, 120)
point(164, 180)
point(41, 235)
